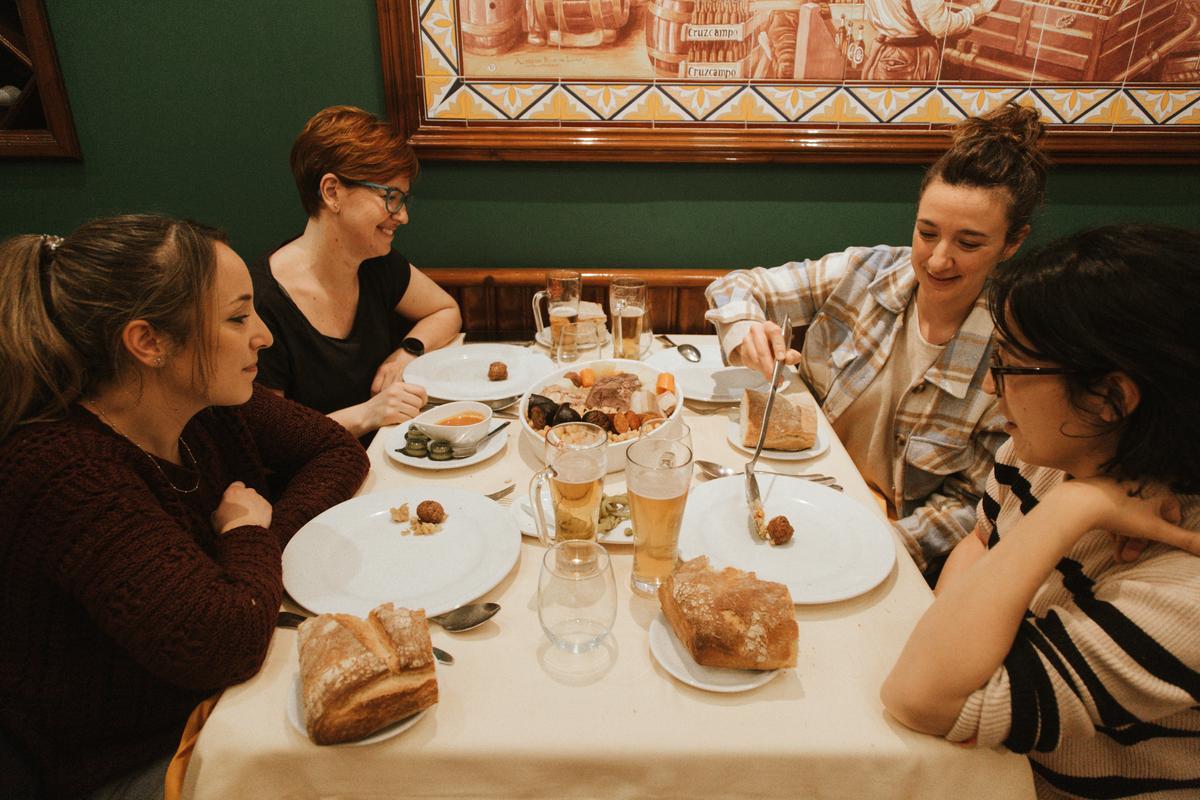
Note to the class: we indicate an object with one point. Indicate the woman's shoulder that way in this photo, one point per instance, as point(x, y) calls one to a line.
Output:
point(37, 451)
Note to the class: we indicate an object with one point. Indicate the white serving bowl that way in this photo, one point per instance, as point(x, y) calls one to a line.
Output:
point(616, 450)
point(456, 435)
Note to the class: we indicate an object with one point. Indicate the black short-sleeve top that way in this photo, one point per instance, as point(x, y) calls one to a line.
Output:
point(324, 372)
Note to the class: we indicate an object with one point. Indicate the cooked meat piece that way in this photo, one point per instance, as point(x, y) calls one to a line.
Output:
point(779, 530)
point(613, 391)
point(431, 511)
point(498, 371)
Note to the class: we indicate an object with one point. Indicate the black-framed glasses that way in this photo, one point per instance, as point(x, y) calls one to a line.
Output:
point(999, 370)
point(394, 198)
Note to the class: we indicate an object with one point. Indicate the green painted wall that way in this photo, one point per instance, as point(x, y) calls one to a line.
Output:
point(189, 108)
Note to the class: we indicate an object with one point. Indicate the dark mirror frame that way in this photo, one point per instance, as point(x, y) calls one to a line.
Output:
point(35, 46)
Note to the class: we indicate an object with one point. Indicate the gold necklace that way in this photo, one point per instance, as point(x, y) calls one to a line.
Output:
point(195, 465)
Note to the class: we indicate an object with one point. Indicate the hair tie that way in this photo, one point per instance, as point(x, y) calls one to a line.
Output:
point(49, 247)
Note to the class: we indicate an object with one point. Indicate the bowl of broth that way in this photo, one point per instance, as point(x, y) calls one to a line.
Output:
point(463, 423)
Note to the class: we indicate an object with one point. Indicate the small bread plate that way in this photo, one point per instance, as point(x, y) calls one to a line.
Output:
point(840, 549)
point(352, 557)
point(672, 656)
point(709, 380)
point(461, 373)
point(393, 443)
point(295, 715)
point(734, 434)
point(522, 514)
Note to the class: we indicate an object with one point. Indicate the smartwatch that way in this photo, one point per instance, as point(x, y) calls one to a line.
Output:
point(413, 345)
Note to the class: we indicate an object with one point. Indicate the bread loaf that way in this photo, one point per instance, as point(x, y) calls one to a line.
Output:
point(362, 675)
point(730, 618)
point(793, 422)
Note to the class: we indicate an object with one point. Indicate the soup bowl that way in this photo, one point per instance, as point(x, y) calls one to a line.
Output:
point(552, 384)
point(456, 423)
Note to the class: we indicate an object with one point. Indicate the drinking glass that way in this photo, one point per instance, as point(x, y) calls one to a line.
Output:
point(576, 462)
point(674, 429)
point(578, 342)
point(562, 293)
point(629, 303)
point(577, 595)
point(658, 472)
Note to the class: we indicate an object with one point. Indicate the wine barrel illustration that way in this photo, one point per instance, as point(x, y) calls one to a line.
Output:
point(489, 27)
point(665, 45)
point(581, 23)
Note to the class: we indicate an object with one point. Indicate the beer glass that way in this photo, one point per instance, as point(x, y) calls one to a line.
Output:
point(562, 293)
point(577, 595)
point(658, 473)
point(578, 341)
point(628, 302)
point(575, 468)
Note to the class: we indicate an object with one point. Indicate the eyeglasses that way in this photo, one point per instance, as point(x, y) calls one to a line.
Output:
point(394, 198)
point(998, 372)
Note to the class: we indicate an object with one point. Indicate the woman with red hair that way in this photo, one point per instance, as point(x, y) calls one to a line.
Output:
point(349, 313)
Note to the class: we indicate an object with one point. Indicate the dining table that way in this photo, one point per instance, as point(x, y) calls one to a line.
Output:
point(519, 718)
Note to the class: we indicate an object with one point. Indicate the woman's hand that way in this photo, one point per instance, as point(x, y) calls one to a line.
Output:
point(391, 370)
point(1133, 516)
point(762, 347)
point(241, 505)
point(396, 402)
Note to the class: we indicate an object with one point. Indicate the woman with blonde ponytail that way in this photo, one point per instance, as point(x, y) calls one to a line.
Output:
point(898, 337)
point(140, 539)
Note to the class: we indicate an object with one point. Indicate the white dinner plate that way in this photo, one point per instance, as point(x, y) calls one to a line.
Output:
point(295, 715)
point(721, 384)
point(840, 549)
point(542, 337)
point(734, 434)
point(352, 557)
point(672, 656)
point(522, 513)
point(669, 360)
point(460, 373)
point(394, 442)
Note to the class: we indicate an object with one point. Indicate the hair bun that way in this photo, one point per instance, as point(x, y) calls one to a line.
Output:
point(1018, 126)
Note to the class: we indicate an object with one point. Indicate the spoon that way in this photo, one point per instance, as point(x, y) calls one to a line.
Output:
point(470, 450)
point(689, 351)
point(712, 469)
point(466, 617)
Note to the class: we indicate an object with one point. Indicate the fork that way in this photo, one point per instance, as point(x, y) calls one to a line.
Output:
point(501, 496)
point(753, 496)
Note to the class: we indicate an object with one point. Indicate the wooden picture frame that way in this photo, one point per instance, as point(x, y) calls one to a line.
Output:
point(450, 112)
point(30, 46)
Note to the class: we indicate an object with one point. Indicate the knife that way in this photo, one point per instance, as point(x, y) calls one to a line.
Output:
point(287, 619)
point(757, 515)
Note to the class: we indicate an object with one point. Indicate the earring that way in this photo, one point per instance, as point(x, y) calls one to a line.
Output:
point(158, 361)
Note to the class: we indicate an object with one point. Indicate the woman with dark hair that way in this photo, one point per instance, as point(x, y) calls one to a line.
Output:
point(140, 547)
point(348, 312)
point(1044, 637)
point(898, 337)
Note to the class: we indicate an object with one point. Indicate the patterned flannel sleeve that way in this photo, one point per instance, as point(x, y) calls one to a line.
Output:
point(746, 296)
point(947, 515)
point(1119, 660)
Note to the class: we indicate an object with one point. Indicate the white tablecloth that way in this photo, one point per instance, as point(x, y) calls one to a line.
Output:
point(519, 719)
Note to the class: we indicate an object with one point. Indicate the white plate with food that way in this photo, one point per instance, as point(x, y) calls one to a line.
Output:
point(393, 443)
point(614, 512)
point(721, 384)
point(629, 386)
point(669, 360)
point(824, 436)
point(462, 373)
point(354, 556)
point(673, 656)
point(295, 715)
point(839, 550)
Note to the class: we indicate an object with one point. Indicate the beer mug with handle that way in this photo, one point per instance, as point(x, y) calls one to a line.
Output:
point(575, 467)
point(562, 293)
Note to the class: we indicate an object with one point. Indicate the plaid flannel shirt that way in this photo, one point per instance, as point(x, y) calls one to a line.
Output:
point(946, 429)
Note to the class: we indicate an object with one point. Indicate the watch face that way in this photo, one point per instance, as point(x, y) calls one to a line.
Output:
point(414, 346)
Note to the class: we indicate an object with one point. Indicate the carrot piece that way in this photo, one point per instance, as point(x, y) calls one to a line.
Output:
point(666, 383)
point(587, 376)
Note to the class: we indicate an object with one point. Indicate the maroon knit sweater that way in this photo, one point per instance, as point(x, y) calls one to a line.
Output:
point(121, 608)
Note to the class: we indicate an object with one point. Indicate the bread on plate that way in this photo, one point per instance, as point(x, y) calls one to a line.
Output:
point(793, 422)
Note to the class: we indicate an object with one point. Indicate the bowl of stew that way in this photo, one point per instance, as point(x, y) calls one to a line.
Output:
point(463, 423)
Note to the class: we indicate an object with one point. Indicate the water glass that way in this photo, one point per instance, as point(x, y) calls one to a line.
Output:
point(658, 472)
point(577, 595)
point(662, 428)
point(629, 303)
point(579, 342)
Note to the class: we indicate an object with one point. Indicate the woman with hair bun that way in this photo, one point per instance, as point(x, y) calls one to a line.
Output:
point(348, 312)
point(1065, 627)
point(140, 545)
point(898, 337)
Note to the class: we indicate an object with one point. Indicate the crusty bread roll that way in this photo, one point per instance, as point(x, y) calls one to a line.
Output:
point(793, 422)
point(730, 618)
point(362, 675)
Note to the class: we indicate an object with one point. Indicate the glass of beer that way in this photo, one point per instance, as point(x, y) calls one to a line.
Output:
point(562, 293)
point(658, 472)
point(575, 468)
point(628, 302)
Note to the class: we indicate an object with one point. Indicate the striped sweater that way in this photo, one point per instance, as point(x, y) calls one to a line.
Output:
point(1101, 688)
